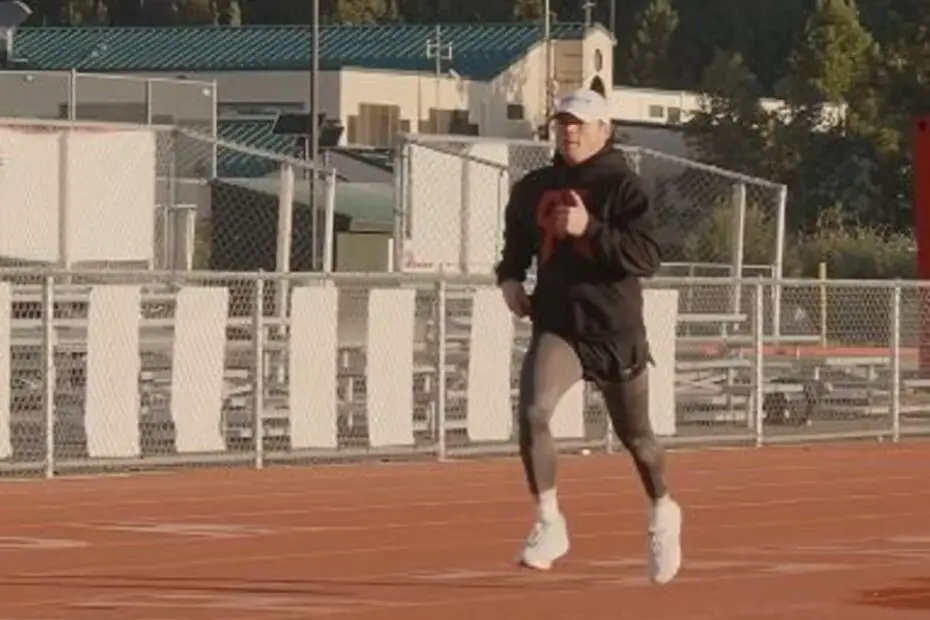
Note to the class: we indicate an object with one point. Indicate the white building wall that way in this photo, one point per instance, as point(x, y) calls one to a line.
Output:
point(667, 107)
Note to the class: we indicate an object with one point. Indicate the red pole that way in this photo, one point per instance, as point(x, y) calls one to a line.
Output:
point(921, 173)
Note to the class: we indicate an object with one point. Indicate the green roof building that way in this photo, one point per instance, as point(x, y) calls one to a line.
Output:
point(377, 80)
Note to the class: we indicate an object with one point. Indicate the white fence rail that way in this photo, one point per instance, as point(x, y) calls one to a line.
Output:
point(144, 369)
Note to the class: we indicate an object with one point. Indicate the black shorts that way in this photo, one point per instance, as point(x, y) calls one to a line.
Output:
point(613, 360)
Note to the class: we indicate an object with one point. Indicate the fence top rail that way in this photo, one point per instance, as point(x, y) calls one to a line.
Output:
point(739, 177)
point(433, 139)
point(55, 123)
point(256, 152)
point(432, 278)
point(427, 138)
point(707, 265)
point(108, 76)
point(501, 168)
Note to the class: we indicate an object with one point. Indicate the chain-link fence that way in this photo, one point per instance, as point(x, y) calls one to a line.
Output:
point(709, 218)
point(110, 369)
point(69, 185)
point(72, 95)
point(452, 192)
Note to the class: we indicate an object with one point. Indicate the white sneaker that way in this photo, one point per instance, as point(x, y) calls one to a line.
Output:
point(664, 541)
point(547, 542)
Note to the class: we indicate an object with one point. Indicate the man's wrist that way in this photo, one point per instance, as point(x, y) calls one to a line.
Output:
point(592, 228)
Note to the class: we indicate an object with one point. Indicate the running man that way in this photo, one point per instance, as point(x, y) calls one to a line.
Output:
point(587, 221)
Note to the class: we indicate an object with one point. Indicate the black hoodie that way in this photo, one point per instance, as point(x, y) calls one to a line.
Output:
point(587, 288)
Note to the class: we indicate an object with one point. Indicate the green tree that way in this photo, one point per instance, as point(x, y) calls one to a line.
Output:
point(278, 11)
point(227, 12)
point(528, 9)
point(363, 11)
point(124, 12)
point(68, 12)
point(825, 164)
point(192, 12)
point(731, 129)
point(712, 239)
point(832, 59)
point(650, 64)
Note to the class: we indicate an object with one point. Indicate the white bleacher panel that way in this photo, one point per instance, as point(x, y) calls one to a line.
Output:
point(6, 301)
point(30, 195)
point(661, 310)
point(115, 201)
point(199, 354)
point(568, 420)
point(389, 371)
point(312, 351)
point(111, 415)
point(489, 415)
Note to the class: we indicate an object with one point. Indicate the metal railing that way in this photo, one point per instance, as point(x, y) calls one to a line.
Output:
point(217, 368)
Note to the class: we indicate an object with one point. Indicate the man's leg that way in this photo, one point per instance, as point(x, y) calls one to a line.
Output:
point(628, 405)
point(550, 368)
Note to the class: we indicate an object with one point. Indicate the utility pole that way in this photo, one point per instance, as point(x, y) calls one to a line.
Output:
point(588, 7)
point(315, 135)
point(438, 51)
point(547, 41)
point(613, 20)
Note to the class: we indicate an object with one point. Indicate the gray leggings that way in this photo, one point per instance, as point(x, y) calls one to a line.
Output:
point(551, 367)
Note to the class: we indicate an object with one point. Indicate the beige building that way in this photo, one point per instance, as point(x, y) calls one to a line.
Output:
point(486, 79)
point(492, 79)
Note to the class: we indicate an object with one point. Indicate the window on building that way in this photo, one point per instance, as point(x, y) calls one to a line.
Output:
point(515, 112)
point(452, 122)
point(656, 111)
point(374, 125)
point(674, 116)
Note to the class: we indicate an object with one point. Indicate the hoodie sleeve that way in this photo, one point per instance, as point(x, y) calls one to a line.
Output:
point(517, 253)
point(625, 241)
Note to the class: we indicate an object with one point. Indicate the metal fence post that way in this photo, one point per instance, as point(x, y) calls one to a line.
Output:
point(502, 198)
point(758, 350)
point(72, 94)
point(895, 347)
point(258, 363)
point(49, 379)
point(285, 235)
point(401, 203)
point(214, 127)
point(441, 298)
point(149, 102)
point(169, 248)
point(329, 225)
point(780, 223)
point(608, 435)
point(739, 239)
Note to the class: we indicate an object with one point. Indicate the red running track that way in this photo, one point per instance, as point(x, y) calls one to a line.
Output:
point(827, 532)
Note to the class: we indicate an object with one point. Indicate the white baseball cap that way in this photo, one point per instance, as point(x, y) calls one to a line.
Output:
point(584, 104)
